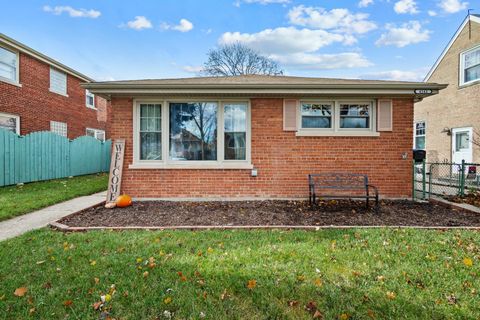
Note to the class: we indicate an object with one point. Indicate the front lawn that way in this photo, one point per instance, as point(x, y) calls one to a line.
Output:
point(334, 274)
point(18, 200)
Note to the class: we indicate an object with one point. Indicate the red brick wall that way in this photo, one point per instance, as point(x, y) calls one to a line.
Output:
point(283, 160)
point(37, 106)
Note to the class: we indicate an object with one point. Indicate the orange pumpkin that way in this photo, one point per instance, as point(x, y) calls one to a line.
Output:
point(123, 201)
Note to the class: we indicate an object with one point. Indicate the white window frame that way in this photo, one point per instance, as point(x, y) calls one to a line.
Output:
point(10, 115)
point(65, 94)
point(17, 68)
point(461, 72)
point(166, 163)
point(371, 131)
point(95, 132)
point(52, 123)
point(415, 134)
point(88, 94)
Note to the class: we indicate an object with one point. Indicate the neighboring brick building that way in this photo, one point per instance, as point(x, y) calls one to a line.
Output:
point(445, 124)
point(38, 93)
point(259, 136)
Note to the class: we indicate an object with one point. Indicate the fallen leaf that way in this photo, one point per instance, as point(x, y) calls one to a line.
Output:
point(344, 316)
point(251, 284)
point(301, 278)
point(210, 250)
point(371, 314)
point(224, 295)
point(47, 285)
point(391, 295)
point(468, 262)
point(292, 303)
point(67, 303)
point(145, 274)
point(317, 315)
point(97, 305)
point(20, 292)
point(31, 311)
point(93, 262)
point(167, 300)
point(41, 262)
point(311, 306)
point(318, 282)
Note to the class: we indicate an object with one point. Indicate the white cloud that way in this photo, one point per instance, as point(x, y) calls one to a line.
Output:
point(406, 6)
point(432, 13)
point(192, 69)
point(183, 26)
point(285, 40)
point(365, 3)
point(404, 35)
point(323, 61)
point(337, 20)
point(263, 2)
point(452, 6)
point(139, 23)
point(395, 75)
point(74, 13)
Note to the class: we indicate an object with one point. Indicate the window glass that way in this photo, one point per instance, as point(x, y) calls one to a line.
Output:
point(8, 64)
point(59, 128)
point(193, 131)
point(461, 140)
point(356, 116)
point(420, 135)
point(58, 81)
point(150, 132)
point(90, 99)
point(8, 123)
point(235, 131)
point(471, 65)
point(95, 133)
point(316, 115)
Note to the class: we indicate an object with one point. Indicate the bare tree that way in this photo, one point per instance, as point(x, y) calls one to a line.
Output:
point(237, 59)
point(476, 138)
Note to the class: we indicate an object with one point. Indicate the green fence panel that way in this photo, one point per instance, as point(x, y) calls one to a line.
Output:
point(45, 155)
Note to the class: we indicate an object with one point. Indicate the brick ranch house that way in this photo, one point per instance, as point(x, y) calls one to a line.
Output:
point(259, 136)
point(38, 93)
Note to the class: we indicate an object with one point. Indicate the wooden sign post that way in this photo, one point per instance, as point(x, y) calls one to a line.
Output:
point(116, 168)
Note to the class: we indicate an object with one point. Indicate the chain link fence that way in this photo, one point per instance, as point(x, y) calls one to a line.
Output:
point(444, 179)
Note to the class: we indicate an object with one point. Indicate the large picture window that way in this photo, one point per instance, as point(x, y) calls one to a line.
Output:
point(355, 116)
point(193, 131)
point(192, 134)
point(235, 131)
point(8, 65)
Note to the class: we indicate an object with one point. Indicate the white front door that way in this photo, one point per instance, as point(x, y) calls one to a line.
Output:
point(462, 145)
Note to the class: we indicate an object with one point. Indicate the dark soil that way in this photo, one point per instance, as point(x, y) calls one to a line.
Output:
point(256, 213)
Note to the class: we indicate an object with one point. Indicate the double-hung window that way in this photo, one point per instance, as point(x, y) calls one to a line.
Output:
point(419, 129)
point(58, 81)
point(192, 134)
point(8, 65)
point(470, 66)
point(89, 99)
point(336, 118)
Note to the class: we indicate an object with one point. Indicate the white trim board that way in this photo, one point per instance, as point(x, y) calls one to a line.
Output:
point(452, 40)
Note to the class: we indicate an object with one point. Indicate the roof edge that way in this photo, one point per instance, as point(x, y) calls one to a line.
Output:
point(470, 17)
point(40, 56)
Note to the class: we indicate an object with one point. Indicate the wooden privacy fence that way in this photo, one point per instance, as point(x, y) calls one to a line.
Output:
point(45, 155)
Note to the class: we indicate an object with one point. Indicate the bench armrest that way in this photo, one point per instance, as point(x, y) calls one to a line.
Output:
point(375, 189)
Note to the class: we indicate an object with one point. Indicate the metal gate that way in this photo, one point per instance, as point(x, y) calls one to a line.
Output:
point(444, 179)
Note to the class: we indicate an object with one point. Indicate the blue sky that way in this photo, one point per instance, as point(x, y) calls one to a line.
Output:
point(114, 40)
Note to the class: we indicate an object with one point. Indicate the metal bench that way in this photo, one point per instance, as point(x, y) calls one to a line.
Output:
point(341, 182)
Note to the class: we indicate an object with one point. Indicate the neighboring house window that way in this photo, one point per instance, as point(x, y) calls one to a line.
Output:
point(200, 134)
point(336, 117)
point(59, 128)
point(10, 122)
point(58, 82)
point(317, 115)
point(89, 99)
point(470, 66)
point(235, 131)
point(8, 65)
point(419, 135)
point(96, 133)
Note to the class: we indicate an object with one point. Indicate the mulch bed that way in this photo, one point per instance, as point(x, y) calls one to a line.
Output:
point(272, 213)
point(472, 198)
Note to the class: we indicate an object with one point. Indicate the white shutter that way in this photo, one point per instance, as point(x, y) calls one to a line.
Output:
point(385, 115)
point(290, 115)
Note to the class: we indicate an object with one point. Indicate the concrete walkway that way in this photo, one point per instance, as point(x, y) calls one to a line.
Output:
point(39, 219)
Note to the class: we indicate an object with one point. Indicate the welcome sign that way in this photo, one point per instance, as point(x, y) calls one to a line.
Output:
point(116, 168)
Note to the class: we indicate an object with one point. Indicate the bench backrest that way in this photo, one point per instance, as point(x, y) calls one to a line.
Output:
point(343, 181)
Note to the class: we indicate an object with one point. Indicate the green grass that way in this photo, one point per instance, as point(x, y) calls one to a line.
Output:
point(18, 200)
point(356, 274)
